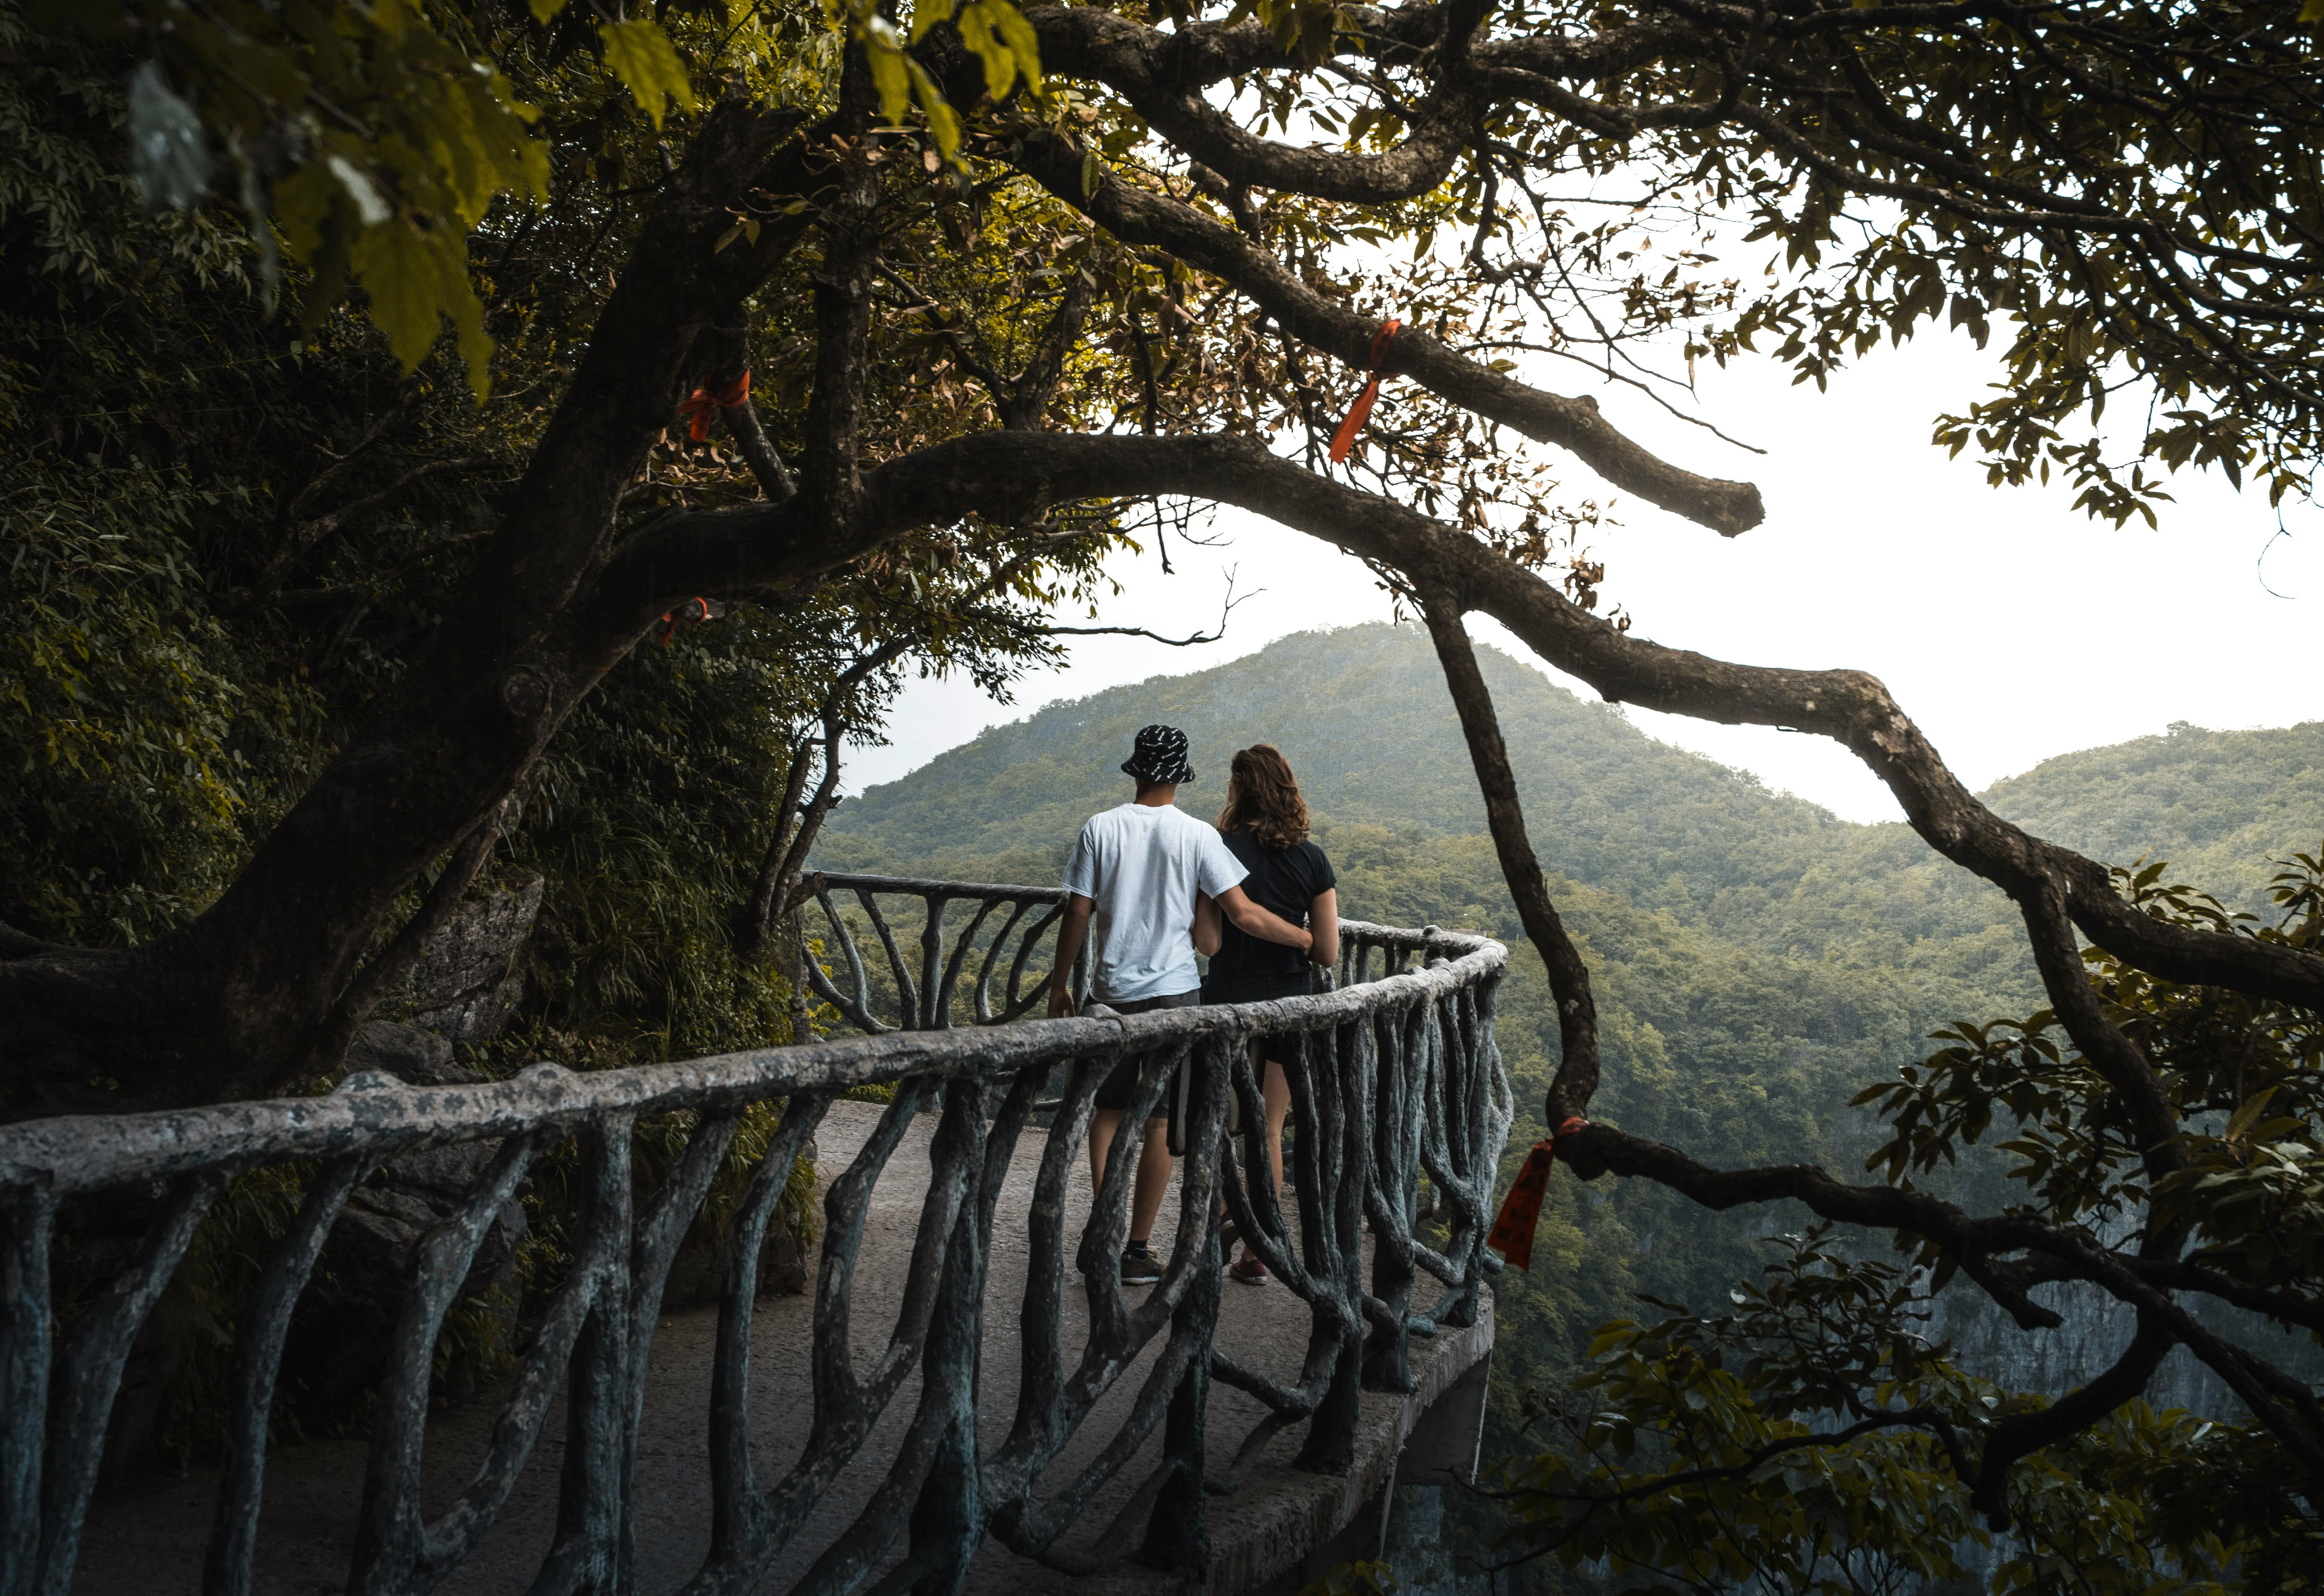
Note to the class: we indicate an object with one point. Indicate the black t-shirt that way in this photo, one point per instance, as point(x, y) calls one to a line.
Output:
point(1285, 881)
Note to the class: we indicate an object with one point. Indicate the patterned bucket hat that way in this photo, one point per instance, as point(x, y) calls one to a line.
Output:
point(1159, 755)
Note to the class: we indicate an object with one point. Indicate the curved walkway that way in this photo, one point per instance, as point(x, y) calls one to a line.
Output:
point(1281, 1529)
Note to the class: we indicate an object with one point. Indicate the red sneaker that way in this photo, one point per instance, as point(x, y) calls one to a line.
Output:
point(1247, 1269)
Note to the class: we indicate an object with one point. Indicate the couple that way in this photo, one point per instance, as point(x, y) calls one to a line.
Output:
point(1251, 893)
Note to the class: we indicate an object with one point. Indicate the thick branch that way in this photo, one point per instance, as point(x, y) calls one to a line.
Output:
point(757, 451)
point(2022, 1433)
point(1569, 977)
point(842, 317)
point(388, 968)
point(1022, 401)
point(1138, 217)
point(1014, 476)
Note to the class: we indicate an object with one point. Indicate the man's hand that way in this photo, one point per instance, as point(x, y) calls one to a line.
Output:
point(1072, 932)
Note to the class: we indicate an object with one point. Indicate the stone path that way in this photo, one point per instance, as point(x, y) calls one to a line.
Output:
point(1266, 1537)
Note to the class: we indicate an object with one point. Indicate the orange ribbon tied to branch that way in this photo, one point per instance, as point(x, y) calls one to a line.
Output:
point(1361, 411)
point(1512, 1233)
point(702, 402)
point(693, 609)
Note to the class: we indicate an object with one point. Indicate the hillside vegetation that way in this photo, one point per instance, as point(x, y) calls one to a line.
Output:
point(1363, 714)
point(1756, 961)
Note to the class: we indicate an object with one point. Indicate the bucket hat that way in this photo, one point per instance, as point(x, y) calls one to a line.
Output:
point(1159, 755)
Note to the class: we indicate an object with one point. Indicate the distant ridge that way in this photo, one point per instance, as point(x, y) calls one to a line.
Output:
point(1363, 714)
point(1755, 962)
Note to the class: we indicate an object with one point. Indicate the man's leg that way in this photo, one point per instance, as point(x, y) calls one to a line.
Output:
point(1104, 1123)
point(1153, 1179)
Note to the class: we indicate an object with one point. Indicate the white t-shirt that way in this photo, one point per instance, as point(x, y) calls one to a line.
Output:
point(1141, 865)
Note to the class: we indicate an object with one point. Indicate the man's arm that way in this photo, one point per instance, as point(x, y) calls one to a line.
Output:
point(1252, 920)
point(1070, 934)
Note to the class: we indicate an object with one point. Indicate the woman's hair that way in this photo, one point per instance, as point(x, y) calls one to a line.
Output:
point(1264, 795)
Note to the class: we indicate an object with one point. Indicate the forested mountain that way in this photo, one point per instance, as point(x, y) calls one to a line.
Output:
point(1364, 715)
point(1756, 961)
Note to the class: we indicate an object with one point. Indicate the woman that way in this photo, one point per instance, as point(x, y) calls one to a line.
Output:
point(1265, 827)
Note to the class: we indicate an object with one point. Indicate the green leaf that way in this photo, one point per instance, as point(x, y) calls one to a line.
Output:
point(545, 10)
point(2255, 1105)
point(415, 280)
point(1000, 61)
point(642, 57)
point(1017, 33)
point(943, 122)
point(928, 13)
point(398, 271)
point(1093, 173)
point(889, 74)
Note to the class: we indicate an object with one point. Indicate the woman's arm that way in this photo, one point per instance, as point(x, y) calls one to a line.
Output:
point(1207, 926)
point(1323, 927)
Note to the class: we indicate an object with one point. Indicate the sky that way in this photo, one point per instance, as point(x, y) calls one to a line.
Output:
point(2008, 625)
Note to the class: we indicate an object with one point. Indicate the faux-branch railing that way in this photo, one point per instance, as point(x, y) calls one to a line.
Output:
point(1398, 1075)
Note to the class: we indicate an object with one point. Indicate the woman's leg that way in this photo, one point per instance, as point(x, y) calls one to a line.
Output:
point(1276, 1091)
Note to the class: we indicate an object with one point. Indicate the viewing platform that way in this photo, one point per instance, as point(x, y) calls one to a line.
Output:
point(965, 1399)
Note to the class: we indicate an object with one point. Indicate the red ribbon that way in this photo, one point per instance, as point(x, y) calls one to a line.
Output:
point(1512, 1232)
point(1361, 411)
point(702, 402)
point(693, 609)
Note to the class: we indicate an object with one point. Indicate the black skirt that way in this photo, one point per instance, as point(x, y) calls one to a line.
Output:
point(1281, 1048)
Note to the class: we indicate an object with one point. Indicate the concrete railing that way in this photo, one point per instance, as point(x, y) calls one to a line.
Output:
point(1397, 1076)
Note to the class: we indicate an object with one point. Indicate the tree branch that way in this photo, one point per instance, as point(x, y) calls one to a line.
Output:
point(1569, 977)
point(1138, 217)
point(1024, 400)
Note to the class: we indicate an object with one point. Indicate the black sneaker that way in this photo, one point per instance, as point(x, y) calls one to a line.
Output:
point(1138, 1266)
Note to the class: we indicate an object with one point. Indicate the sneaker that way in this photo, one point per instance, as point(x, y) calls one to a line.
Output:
point(1138, 1266)
point(1247, 1269)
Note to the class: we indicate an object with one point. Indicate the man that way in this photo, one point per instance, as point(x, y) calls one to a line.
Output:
point(1142, 870)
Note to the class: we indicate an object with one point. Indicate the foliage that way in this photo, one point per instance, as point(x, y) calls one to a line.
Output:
point(1816, 1440)
point(1350, 1579)
point(1731, 1026)
point(2246, 1075)
point(227, 536)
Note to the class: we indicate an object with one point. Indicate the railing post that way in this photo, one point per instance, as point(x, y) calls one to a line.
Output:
point(30, 1213)
point(949, 1514)
point(1397, 1098)
point(586, 1556)
point(1340, 1164)
point(1178, 1535)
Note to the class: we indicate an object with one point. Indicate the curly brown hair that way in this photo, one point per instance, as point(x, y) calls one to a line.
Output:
point(1264, 795)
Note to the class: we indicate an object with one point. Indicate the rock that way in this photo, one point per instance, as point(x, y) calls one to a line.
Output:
point(417, 1058)
point(347, 1318)
point(477, 1017)
point(698, 1275)
point(467, 983)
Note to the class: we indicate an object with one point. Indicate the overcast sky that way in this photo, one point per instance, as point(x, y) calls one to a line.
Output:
point(2008, 625)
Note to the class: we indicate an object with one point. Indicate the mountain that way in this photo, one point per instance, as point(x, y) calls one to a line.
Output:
point(1364, 715)
point(1755, 961)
